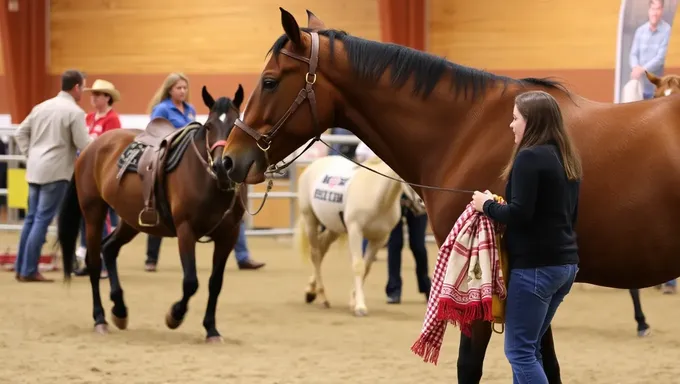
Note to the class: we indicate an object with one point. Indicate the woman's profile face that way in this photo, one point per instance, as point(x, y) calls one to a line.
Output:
point(178, 92)
point(518, 124)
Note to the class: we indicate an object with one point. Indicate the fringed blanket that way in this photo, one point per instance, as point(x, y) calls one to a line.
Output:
point(467, 276)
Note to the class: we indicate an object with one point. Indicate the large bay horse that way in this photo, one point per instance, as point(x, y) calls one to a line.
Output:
point(193, 195)
point(344, 199)
point(441, 124)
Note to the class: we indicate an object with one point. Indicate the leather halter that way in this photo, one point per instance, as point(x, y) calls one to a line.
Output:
point(264, 141)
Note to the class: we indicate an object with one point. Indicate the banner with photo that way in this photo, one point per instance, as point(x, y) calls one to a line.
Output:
point(642, 42)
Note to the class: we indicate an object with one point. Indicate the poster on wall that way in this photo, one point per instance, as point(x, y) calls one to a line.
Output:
point(641, 44)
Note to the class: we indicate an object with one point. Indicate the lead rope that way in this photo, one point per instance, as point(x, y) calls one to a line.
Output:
point(277, 170)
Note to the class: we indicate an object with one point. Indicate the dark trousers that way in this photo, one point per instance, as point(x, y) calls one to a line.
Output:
point(153, 248)
point(416, 236)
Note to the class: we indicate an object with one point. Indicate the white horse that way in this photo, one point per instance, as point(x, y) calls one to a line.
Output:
point(347, 200)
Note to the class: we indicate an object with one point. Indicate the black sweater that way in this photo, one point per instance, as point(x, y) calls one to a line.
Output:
point(541, 210)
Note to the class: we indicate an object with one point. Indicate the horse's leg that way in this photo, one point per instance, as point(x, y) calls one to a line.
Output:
point(224, 244)
point(187, 254)
point(123, 234)
point(315, 288)
point(643, 328)
point(355, 236)
point(471, 351)
point(551, 366)
point(370, 256)
point(95, 214)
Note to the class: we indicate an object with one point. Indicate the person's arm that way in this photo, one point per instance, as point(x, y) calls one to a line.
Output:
point(79, 133)
point(635, 50)
point(521, 205)
point(656, 62)
point(574, 216)
point(22, 136)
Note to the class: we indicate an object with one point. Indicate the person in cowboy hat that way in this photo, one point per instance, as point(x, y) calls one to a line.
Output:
point(103, 118)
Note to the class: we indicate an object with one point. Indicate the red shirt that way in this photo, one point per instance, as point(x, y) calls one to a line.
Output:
point(105, 123)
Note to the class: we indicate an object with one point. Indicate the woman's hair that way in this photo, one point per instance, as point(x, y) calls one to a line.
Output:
point(543, 124)
point(164, 91)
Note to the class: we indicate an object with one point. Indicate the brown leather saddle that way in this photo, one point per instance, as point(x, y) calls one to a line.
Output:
point(157, 137)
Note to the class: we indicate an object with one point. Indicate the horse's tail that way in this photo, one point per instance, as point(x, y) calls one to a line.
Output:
point(68, 226)
point(301, 241)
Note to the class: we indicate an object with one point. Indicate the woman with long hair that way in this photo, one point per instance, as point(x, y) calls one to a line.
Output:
point(543, 181)
point(171, 101)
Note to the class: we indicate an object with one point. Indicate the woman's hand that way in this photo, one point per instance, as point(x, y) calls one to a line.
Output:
point(479, 198)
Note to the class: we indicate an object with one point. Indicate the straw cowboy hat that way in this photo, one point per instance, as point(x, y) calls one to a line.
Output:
point(104, 86)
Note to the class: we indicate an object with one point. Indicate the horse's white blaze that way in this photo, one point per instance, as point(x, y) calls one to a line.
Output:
point(332, 190)
point(667, 92)
point(223, 117)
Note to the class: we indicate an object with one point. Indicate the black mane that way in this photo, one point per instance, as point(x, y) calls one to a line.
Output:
point(370, 59)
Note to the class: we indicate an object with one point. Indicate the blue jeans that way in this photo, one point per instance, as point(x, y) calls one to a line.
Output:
point(241, 248)
point(533, 297)
point(417, 225)
point(43, 202)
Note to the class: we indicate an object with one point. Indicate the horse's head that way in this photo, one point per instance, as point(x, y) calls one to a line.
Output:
point(276, 120)
point(415, 203)
point(223, 113)
point(666, 85)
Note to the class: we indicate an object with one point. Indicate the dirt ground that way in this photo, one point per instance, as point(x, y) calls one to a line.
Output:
point(272, 336)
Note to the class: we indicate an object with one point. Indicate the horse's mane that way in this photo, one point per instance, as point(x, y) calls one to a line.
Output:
point(370, 59)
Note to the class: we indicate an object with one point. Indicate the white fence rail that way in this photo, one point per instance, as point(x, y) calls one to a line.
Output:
point(13, 160)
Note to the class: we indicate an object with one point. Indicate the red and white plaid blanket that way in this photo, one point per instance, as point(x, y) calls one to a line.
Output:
point(467, 274)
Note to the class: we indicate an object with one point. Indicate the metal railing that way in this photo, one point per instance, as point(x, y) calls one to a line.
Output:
point(13, 160)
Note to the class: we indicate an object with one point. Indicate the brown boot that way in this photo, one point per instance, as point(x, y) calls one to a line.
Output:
point(250, 264)
point(36, 278)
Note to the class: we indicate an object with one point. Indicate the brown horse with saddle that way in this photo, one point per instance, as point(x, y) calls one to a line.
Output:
point(443, 125)
point(156, 187)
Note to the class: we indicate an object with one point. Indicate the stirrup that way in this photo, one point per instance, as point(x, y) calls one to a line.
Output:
point(146, 210)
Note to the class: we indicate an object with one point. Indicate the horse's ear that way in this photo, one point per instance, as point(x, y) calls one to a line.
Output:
point(653, 79)
point(291, 27)
point(313, 22)
point(238, 97)
point(207, 98)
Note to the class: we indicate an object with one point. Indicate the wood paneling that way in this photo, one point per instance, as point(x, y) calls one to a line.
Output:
point(200, 36)
point(2, 60)
point(525, 34)
point(673, 53)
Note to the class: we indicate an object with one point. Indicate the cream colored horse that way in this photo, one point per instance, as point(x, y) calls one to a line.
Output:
point(347, 201)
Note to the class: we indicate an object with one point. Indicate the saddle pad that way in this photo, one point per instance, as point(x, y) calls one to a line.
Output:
point(328, 195)
point(178, 147)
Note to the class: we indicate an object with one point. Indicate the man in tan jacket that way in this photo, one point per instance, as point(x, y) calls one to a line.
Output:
point(49, 137)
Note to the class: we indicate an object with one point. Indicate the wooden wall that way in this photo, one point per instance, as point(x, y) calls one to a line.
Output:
point(574, 40)
point(200, 36)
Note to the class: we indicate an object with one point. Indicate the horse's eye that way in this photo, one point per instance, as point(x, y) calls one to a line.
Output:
point(269, 84)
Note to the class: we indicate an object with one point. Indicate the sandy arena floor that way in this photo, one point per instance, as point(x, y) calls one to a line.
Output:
point(272, 336)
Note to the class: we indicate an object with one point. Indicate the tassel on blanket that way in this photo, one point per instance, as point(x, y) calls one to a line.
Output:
point(467, 276)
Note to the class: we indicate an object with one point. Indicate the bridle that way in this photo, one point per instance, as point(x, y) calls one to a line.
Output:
point(209, 168)
point(264, 140)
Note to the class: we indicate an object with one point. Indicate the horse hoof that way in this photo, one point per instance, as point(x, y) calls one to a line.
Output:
point(326, 304)
point(214, 340)
point(644, 332)
point(120, 323)
point(171, 322)
point(101, 329)
point(361, 312)
point(310, 297)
